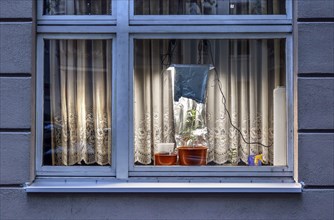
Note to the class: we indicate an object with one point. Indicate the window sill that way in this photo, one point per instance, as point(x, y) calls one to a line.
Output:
point(47, 186)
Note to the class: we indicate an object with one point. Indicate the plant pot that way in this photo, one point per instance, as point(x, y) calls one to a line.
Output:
point(192, 156)
point(165, 159)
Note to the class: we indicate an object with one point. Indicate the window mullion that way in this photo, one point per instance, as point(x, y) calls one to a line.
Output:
point(289, 9)
point(121, 102)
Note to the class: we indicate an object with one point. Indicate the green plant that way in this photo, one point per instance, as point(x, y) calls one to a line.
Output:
point(192, 123)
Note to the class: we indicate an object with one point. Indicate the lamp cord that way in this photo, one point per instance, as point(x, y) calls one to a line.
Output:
point(224, 103)
point(166, 58)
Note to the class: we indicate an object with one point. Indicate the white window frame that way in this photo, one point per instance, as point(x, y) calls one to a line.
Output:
point(123, 176)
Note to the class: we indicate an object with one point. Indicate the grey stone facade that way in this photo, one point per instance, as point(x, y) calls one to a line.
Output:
point(314, 34)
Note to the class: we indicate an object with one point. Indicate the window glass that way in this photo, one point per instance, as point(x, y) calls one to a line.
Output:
point(209, 7)
point(77, 7)
point(77, 102)
point(192, 97)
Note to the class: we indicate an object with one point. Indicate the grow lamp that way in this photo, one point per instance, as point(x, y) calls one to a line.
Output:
point(172, 66)
point(190, 81)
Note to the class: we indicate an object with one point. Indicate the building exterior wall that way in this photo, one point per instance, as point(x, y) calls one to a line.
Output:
point(314, 34)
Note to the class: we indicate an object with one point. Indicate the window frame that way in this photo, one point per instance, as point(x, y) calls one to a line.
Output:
point(123, 27)
point(76, 19)
point(214, 171)
point(45, 170)
point(210, 19)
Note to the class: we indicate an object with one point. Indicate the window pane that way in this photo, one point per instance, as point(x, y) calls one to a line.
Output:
point(174, 125)
point(209, 7)
point(77, 7)
point(77, 102)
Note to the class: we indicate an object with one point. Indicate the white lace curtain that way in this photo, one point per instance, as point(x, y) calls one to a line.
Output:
point(77, 7)
point(80, 97)
point(249, 71)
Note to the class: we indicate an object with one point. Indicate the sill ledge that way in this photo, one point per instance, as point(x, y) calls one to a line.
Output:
point(159, 187)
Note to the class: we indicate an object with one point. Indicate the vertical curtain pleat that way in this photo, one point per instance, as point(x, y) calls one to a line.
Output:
point(264, 100)
point(276, 8)
point(146, 7)
point(70, 8)
point(84, 116)
point(69, 96)
point(81, 7)
point(157, 95)
point(142, 105)
point(165, 7)
point(168, 123)
point(108, 64)
point(100, 102)
point(64, 107)
point(264, 7)
point(244, 102)
point(277, 56)
point(252, 7)
point(96, 7)
point(55, 119)
point(253, 91)
point(233, 99)
point(219, 152)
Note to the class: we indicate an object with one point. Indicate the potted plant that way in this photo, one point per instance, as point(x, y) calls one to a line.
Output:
point(192, 152)
point(165, 155)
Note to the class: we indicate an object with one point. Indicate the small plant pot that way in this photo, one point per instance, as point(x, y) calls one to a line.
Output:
point(165, 159)
point(192, 156)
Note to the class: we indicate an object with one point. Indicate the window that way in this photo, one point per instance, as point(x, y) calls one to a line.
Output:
point(77, 102)
point(72, 7)
point(74, 88)
point(148, 90)
point(209, 7)
point(252, 79)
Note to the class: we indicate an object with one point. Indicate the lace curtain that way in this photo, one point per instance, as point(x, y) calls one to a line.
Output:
point(80, 99)
point(77, 7)
point(249, 71)
point(153, 100)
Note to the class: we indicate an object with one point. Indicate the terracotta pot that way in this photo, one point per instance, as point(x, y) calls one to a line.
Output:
point(165, 159)
point(192, 156)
